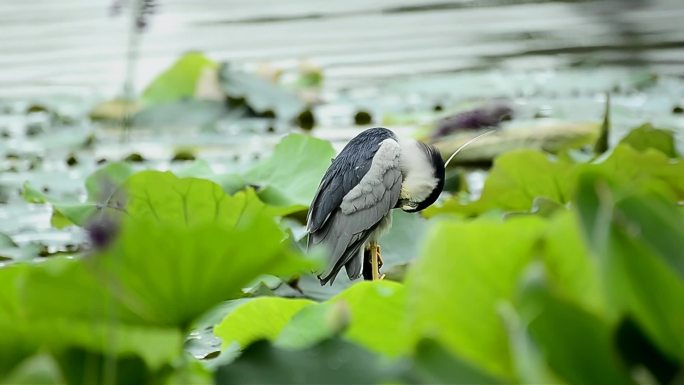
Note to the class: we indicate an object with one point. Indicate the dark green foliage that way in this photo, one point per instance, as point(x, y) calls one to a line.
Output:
point(331, 362)
point(576, 344)
point(80, 367)
point(562, 271)
point(434, 365)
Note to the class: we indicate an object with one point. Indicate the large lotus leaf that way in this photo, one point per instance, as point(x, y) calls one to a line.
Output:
point(435, 365)
point(260, 318)
point(183, 247)
point(15, 347)
point(193, 372)
point(516, 179)
point(520, 177)
point(170, 273)
point(179, 81)
point(11, 280)
point(660, 228)
point(638, 239)
point(54, 305)
point(39, 369)
point(646, 136)
point(577, 345)
point(291, 175)
point(331, 362)
point(648, 170)
point(313, 324)
point(65, 304)
point(163, 197)
point(14, 344)
point(103, 195)
point(373, 313)
point(454, 288)
point(156, 346)
point(376, 311)
point(569, 265)
point(83, 367)
point(529, 362)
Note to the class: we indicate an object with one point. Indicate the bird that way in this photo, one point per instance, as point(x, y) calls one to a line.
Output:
point(374, 173)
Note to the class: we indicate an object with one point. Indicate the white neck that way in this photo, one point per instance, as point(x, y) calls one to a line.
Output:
point(418, 173)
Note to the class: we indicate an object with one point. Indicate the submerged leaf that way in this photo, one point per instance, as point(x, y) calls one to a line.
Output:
point(259, 318)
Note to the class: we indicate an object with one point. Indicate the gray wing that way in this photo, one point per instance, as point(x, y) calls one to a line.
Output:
point(345, 172)
point(362, 209)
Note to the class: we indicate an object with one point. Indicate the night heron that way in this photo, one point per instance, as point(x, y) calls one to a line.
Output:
point(375, 173)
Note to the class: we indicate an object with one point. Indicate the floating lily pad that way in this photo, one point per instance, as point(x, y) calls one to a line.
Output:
point(178, 82)
point(259, 94)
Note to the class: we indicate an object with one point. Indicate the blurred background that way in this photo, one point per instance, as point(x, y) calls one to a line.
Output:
point(207, 88)
point(82, 46)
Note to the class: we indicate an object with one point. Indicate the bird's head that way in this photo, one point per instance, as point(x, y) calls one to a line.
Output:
point(423, 170)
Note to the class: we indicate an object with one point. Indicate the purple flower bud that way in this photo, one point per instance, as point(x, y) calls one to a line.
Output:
point(102, 231)
point(474, 119)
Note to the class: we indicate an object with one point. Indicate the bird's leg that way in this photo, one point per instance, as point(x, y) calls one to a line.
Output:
point(375, 261)
point(380, 261)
